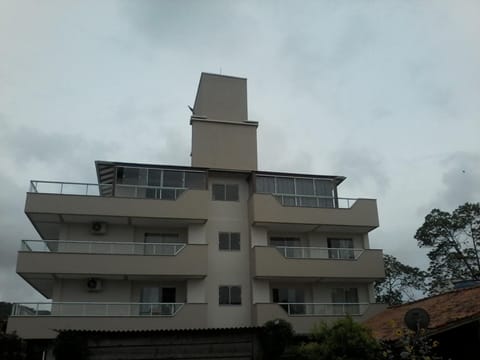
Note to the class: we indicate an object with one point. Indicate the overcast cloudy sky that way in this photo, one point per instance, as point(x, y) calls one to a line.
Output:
point(386, 93)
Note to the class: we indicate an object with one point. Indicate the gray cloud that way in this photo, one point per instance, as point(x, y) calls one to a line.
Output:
point(364, 167)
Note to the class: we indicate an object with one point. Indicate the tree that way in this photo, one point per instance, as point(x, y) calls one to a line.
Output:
point(454, 239)
point(11, 347)
point(70, 346)
point(343, 340)
point(275, 336)
point(402, 282)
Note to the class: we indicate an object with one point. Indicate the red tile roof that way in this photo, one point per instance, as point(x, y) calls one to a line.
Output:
point(446, 310)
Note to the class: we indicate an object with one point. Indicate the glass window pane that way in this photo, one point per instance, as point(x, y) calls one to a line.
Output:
point(223, 241)
point(172, 178)
point(168, 194)
point(323, 188)
point(307, 201)
point(285, 186)
point(154, 177)
point(265, 184)
point(288, 201)
point(235, 241)
point(351, 295)
point(231, 192)
point(223, 295)
point(218, 192)
point(235, 295)
point(130, 176)
point(195, 180)
point(304, 186)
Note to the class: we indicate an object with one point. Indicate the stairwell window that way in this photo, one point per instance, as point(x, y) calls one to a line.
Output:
point(225, 192)
point(229, 295)
point(229, 241)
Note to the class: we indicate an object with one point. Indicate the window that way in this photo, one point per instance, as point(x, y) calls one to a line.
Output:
point(341, 249)
point(228, 241)
point(157, 300)
point(229, 295)
point(345, 301)
point(288, 246)
point(162, 244)
point(157, 183)
point(292, 299)
point(225, 192)
point(298, 191)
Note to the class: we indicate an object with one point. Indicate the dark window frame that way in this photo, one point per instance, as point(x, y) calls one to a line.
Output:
point(229, 301)
point(221, 189)
point(230, 241)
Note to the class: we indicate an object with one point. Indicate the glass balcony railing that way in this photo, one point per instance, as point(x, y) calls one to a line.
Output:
point(314, 201)
point(305, 252)
point(95, 309)
point(106, 190)
point(102, 247)
point(324, 309)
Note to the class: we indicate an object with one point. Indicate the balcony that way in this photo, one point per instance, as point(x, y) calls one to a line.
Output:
point(312, 213)
point(40, 261)
point(303, 316)
point(40, 320)
point(51, 203)
point(317, 263)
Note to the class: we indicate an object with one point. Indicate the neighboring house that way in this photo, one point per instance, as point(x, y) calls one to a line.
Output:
point(215, 245)
point(454, 322)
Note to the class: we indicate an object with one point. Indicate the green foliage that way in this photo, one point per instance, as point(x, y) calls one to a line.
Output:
point(400, 283)
point(11, 347)
point(276, 335)
point(343, 340)
point(454, 240)
point(70, 346)
point(410, 345)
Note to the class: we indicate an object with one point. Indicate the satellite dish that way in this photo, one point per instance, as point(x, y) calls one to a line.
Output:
point(416, 319)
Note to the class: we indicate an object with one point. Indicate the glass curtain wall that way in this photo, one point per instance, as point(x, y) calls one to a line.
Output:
point(298, 191)
point(156, 183)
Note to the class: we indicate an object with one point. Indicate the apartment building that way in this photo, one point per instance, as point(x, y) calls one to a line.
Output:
point(219, 244)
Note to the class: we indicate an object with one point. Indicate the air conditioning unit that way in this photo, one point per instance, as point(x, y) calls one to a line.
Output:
point(98, 228)
point(94, 284)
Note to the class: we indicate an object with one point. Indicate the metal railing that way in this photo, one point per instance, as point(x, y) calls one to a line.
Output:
point(315, 201)
point(107, 190)
point(69, 188)
point(306, 252)
point(95, 309)
point(324, 309)
point(102, 247)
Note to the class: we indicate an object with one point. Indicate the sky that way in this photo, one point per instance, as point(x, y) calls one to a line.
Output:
point(386, 93)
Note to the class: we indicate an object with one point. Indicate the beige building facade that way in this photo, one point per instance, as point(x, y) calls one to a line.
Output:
point(219, 244)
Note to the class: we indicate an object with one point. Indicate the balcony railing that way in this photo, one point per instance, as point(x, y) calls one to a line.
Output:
point(107, 190)
point(324, 309)
point(102, 247)
point(314, 201)
point(95, 309)
point(305, 252)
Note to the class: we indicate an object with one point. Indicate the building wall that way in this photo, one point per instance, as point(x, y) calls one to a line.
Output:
point(228, 267)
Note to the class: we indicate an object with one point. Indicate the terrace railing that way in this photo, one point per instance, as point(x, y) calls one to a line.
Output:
point(102, 247)
point(106, 190)
point(324, 309)
point(306, 252)
point(95, 309)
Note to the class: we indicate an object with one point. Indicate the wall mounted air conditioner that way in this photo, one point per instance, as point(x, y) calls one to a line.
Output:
point(98, 228)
